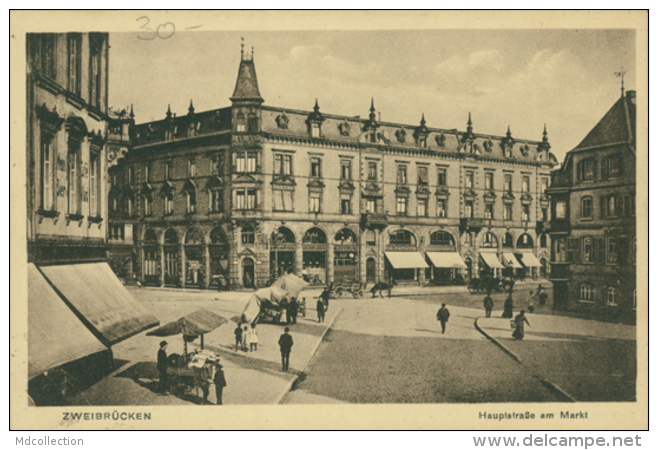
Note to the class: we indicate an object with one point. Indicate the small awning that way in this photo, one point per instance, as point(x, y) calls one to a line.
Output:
point(528, 259)
point(510, 261)
point(98, 296)
point(491, 260)
point(406, 260)
point(55, 336)
point(446, 260)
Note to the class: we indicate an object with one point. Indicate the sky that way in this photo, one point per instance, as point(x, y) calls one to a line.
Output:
point(521, 78)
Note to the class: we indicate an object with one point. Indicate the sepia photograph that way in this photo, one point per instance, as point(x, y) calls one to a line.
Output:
point(447, 219)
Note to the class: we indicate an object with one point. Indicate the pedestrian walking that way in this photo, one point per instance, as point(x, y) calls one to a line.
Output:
point(442, 316)
point(488, 304)
point(325, 296)
point(245, 332)
point(519, 325)
point(294, 309)
point(508, 307)
point(238, 337)
point(302, 307)
point(531, 303)
point(220, 382)
point(320, 309)
point(285, 345)
point(541, 295)
point(252, 338)
point(162, 368)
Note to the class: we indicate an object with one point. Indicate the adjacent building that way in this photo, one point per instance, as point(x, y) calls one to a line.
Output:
point(238, 195)
point(77, 309)
point(593, 232)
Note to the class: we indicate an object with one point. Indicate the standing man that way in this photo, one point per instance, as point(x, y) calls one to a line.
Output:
point(220, 382)
point(294, 309)
point(442, 316)
point(325, 298)
point(162, 367)
point(285, 344)
point(320, 308)
point(488, 304)
point(238, 337)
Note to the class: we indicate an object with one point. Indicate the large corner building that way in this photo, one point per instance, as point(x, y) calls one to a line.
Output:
point(238, 195)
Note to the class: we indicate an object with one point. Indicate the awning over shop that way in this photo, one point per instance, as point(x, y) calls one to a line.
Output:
point(451, 260)
point(99, 297)
point(491, 260)
point(528, 259)
point(55, 336)
point(510, 261)
point(406, 260)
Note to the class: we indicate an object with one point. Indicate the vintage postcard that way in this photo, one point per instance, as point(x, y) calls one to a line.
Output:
point(329, 220)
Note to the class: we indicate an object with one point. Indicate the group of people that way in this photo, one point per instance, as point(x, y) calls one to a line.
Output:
point(292, 308)
point(246, 337)
point(519, 321)
point(212, 373)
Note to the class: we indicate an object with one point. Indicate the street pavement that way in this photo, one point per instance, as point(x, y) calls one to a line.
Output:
point(252, 377)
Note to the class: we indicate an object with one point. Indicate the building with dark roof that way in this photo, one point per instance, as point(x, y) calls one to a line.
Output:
point(237, 196)
point(593, 256)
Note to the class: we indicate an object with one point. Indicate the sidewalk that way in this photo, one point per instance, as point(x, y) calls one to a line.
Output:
point(252, 377)
point(584, 360)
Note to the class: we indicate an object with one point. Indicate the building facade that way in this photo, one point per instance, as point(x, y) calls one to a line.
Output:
point(77, 309)
point(239, 195)
point(593, 255)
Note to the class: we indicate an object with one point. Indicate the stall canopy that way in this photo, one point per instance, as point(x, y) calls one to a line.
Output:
point(290, 283)
point(268, 296)
point(510, 261)
point(451, 260)
point(528, 259)
point(55, 336)
point(406, 260)
point(491, 260)
point(194, 324)
point(97, 296)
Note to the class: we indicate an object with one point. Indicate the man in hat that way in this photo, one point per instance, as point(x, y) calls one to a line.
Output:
point(442, 316)
point(220, 381)
point(162, 367)
point(285, 344)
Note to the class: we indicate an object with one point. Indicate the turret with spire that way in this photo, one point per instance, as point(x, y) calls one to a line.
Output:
point(469, 136)
point(246, 85)
point(421, 132)
point(545, 145)
point(371, 123)
point(190, 110)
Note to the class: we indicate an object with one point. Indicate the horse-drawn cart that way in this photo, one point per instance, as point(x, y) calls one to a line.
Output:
point(489, 285)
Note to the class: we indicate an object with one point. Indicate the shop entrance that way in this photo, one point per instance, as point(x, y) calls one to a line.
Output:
point(346, 268)
point(371, 270)
point(248, 273)
point(314, 268)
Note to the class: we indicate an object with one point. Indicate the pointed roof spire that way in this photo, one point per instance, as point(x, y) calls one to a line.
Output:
point(544, 143)
point(468, 136)
point(168, 111)
point(422, 129)
point(422, 120)
point(373, 116)
point(190, 110)
point(316, 115)
point(246, 85)
point(132, 114)
point(509, 133)
point(469, 124)
point(316, 108)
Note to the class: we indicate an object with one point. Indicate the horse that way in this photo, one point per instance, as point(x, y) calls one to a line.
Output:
point(382, 286)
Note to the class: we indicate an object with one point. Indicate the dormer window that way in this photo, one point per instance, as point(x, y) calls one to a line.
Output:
point(315, 130)
point(240, 123)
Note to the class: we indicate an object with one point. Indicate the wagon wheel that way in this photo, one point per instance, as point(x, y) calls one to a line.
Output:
point(340, 291)
point(360, 293)
point(472, 289)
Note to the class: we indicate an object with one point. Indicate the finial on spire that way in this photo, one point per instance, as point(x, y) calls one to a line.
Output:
point(242, 49)
point(372, 104)
point(545, 133)
point(469, 128)
point(168, 111)
point(190, 110)
point(132, 114)
point(422, 120)
point(509, 133)
point(621, 74)
point(316, 108)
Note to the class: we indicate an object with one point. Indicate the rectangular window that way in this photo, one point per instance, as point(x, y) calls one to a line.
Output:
point(346, 170)
point(525, 214)
point(94, 184)
point(130, 206)
point(240, 202)
point(218, 165)
point(372, 171)
point(560, 250)
point(74, 56)
point(282, 200)
point(525, 186)
point(442, 177)
point(468, 209)
point(148, 205)
point(73, 177)
point(216, 201)
point(401, 206)
point(95, 48)
point(44, 54)
point(371, 205)
point(586, 293)
point(240, 162)
point(169, 203)
point(611, 167)
point(422, 175)
point(316, 166)
point(612, 251)
point(611, 296)
point(560, 210)
point(508, 212)
point(508, 183)
point(191, 168)
point(129, 175)
point(251, 199)
point(345, 206)
point(588, 250)
point(147, 172)
point(611, 209)
point(402, 174)
point(169, 169)
point(586, 170)
point(251, 162)
point(489, 211)
point(488, 181)
point(314, 202)
point(48, 157)
point(544, 214)
point(441, 208)
point(283, 164)
point(421, 207)
point(586, 208)
point(191, 202)
point(315, 130)
point(468, 179)
point(544, 185)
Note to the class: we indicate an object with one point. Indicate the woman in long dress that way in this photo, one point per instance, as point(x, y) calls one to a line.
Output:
point(519, 325)
point(508, 307)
